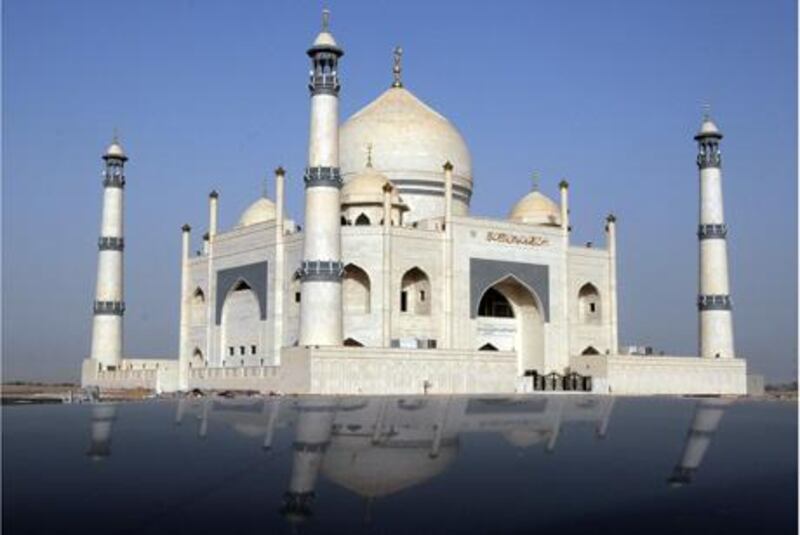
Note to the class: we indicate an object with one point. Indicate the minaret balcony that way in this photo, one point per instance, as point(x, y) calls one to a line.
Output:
point(321, 270)
point(714, 302)
point(324, 84)
point(712, 232)
point(112, 308)
point(106, 243)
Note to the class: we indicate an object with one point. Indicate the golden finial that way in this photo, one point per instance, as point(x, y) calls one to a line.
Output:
point(397, 69)
point(535, 179)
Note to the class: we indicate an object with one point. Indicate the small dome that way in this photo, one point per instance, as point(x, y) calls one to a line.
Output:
point(367, 188)
point(115, 151)
point(708, 128)
point(536, 209)
point(261, 211)
point(325, 39)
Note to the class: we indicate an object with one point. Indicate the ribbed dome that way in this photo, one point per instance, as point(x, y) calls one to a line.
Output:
point(536, 209)
point(410, 143)
point(261, 211)
point(367, 188)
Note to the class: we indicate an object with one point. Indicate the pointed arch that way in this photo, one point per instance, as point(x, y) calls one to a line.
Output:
point(591, 350)
point(198, 297)
point(362, 219)
point(493, 304)
point(240, 321)
point(589, 305)
point(356, 290)
point(487, 347)
point(415, 292)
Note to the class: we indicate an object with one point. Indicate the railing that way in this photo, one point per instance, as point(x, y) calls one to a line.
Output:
point(555, 382)
point(233, 372)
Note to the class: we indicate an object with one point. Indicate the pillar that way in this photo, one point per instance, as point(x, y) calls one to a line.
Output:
point(611, 246)
point(447, 342)
point(279, 268)
point(184, 348)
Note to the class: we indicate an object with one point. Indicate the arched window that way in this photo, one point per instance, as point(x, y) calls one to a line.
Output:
point(487, 347)
point(495, 305)
point(197, 358)
point(362, 219)
point(198, 297)
point(352, 342)
point(356, 290)
point(589, 304)
point(197, 308)
point(343, 221)
point(590, 351)
point(415, 292)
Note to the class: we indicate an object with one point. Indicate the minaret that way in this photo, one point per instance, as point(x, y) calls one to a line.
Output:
point(713, 301)
point(108, 302)
point(321, 270)
point(186, 290)
point(611, 245)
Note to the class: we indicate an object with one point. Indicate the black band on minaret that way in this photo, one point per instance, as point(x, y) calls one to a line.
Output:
point(324, 76)
point(322, 177)
point(712, 232)
point(110, 308)
point(714, 302)
point(105, 243)
point(708, 152)
point(321, 270)
point(115, 180)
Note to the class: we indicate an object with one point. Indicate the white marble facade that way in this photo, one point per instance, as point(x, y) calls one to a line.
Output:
point(426, 289)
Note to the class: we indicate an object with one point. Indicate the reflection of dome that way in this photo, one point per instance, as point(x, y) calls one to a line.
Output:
point(411, 144)
point(373, 471)
point(536, 209)
point(367, 188)
point(525, 438)
point(259, 212)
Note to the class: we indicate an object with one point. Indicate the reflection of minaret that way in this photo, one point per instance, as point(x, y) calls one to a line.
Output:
point(314, 425)
point(102, 421)
point(274, 409)
point(602, 425)
point(203, 429)
point(180, 410)
point(706, 419)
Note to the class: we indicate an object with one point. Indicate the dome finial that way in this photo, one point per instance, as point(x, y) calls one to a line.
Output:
point(535, 180)
point(397, 69)
point(706, 111)
point(369, 155)
point(326, 19)
point(115, 139)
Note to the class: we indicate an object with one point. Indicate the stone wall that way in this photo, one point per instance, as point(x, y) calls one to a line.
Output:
point(650, 375)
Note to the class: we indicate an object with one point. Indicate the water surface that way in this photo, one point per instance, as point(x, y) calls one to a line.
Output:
point(546, 464)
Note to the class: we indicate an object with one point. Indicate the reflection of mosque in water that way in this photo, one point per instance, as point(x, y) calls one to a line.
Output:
point(378, 446)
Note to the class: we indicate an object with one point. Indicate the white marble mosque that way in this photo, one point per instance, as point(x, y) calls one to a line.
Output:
point(392, 285)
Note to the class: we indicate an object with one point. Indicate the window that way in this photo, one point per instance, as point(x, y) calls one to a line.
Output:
point(231, 351)
point(415, 287)
point(252, 350)
point(592, 307)
point(404, 301)
point(362, 219)
point(495, 305)
point(589, 304)
point(241, 350)
point(297, 297)
point(422, 295)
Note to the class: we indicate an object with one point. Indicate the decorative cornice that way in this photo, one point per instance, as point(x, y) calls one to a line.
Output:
point(322, 177)
point(321, 271)
point(712, 232)
point(111, 308)
point(714, 302)
point(106, 243)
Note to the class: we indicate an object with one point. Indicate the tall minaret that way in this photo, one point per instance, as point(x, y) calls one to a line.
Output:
point(108, 302)
point(713, 301)
point(321, 270)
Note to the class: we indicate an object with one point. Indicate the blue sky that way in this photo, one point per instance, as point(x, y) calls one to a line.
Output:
point(213, 95)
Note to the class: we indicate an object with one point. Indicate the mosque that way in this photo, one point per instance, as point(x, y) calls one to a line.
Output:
point(392, 286)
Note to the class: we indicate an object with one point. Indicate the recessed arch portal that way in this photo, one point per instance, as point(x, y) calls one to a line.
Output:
point(415, 292)
point(589, 304)
point(356, 290)
point(514, 306)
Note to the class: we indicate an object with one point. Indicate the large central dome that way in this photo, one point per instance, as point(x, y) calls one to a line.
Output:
point(410, 144)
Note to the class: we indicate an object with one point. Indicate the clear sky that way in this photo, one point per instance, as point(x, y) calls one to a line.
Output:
point(213, 95)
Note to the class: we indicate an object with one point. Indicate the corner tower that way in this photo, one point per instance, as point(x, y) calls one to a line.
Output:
point(321, 270)
point(108, 301)
point(713, 301)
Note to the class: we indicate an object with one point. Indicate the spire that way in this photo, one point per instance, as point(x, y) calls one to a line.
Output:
point(326, 19)
point(397, 69)
point(535, 180)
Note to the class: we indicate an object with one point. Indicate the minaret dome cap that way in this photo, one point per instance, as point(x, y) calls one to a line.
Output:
point(115, 150)
point(708, 129)
point(325, 40)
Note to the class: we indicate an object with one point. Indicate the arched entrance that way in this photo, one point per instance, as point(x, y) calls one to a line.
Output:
point(513, 305)
point(240, 326)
